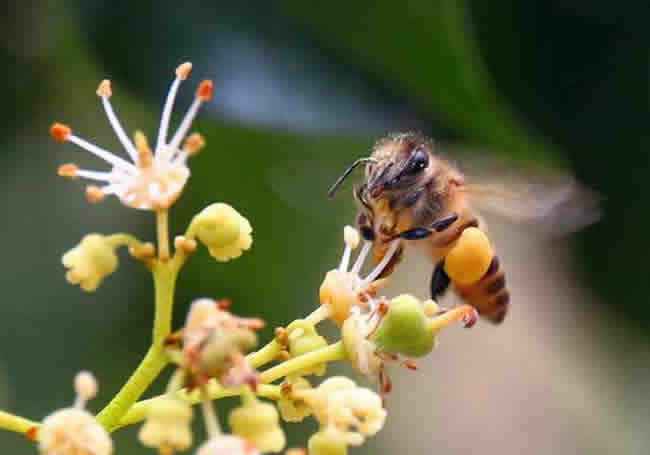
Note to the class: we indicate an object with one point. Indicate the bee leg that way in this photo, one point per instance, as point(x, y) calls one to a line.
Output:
point(439, 280)
point(422, 232)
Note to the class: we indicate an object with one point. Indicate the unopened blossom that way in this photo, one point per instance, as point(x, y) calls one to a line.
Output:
point(225, 232)
point(167, 427)
point(152, 178)
point(343, 290)
point(328, 441)
point(292, 408)
point(227, 445)
point(355, 411)
point(259, 424)
point(74, 431)
point(90, 262)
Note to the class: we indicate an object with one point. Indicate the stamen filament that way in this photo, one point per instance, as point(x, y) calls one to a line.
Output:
point(185, 124)
point(117, 126)
point(362, 257)
point(166, 115)
point(382, 264)
point(345, 260)
point(94, 175)
point(103, 154)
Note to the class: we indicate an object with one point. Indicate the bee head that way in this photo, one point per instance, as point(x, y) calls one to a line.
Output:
point(399, 162)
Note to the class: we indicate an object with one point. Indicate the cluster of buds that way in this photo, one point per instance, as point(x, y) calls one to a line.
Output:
point(153, 179)
point(74, 431)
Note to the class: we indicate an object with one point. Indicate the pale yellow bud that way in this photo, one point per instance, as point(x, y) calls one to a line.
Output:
point(328, 441)
point(259, 424)
point(223, 231)
point(168, 425)
point(291, 407)
point(90, 262)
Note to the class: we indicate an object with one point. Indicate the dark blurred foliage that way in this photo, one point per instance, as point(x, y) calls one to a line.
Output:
point(307, 87)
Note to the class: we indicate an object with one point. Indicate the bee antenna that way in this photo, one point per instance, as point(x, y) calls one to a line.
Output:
point(347, 172)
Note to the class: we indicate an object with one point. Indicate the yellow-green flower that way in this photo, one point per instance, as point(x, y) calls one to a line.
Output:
point(223, 231)
point(168, 425)
point(90, 262)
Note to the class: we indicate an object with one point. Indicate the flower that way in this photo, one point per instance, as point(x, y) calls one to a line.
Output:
point(303, 338)
point(223, 231)
point(74, 431)
point(168, 425)
point(328, 441)
point(214, 341)
point(259, 424)
point(90, 262)
point(226, 445)
point(292, 408)
point(356, 412)
point(153, 180)
point(344, 290)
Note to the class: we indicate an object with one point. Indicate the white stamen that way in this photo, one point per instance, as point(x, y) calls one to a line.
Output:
point(180, 158)
point(103, 154)
point(95, 175)
point(345, 260)
point(121, 135)
point(380, 267)
point(185, 124)
point(362, 257)
point(114, 188)
point(166, 115)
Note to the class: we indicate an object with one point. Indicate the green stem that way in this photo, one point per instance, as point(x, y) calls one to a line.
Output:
point(138, 411)
point(15, 423)
point(162, 228)
point(148, 370)
point(264, 355)
point(164, 277)
point(329, 353)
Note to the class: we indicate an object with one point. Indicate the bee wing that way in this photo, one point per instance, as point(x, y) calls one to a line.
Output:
point(551, 205)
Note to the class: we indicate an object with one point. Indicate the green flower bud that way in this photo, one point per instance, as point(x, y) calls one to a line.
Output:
point(259, 424)
point(404, 329)
point(90, 262)
point(327, 442)
point(291, 409)
point(222, 230)
point(304, 338)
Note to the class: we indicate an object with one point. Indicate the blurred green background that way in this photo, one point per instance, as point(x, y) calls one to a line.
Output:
point(301, 90)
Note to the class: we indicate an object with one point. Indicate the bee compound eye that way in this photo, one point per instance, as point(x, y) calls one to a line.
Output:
point(419, 160)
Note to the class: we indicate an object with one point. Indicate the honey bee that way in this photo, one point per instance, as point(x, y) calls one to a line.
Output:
point(412, 195)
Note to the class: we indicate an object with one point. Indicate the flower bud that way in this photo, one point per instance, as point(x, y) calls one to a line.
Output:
point(73, 431)
point(168, 425)
point(328, 441)
point(293, 409)
point(223, 231)
point(404, 329)
point(303, 338)
point(90, 262)
point(470, 257)
point(258, 423)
